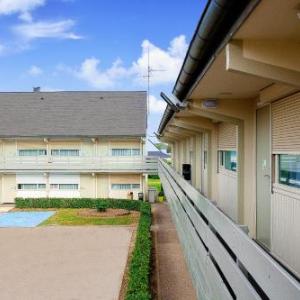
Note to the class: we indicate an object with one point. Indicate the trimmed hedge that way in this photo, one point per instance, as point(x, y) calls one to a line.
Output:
point(76, 203)
point(139, 269)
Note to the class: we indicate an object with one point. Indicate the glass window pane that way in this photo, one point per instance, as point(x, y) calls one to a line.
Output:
point(67, 186)
point(32, 152)
point(289, 170)
point(65, 152)
point(135, 186)
point(135, 152)
point(230, 160)
point(121, 186)
point(31, 186)
point(121, 152)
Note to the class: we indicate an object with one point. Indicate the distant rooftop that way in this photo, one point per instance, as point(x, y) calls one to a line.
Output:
point(46, 114)
point(158, 154)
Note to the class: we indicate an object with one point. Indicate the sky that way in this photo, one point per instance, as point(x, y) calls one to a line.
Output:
point(96, 45)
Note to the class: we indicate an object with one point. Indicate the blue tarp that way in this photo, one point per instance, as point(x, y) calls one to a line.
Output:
point(24, 219)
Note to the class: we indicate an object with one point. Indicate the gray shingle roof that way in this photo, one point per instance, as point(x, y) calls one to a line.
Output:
point(73, 114)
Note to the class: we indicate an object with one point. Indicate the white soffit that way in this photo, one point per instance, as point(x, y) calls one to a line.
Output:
point(219, 83)
point(275, 19)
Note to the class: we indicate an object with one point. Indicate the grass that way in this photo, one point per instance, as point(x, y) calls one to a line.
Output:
point(155, 183)
point(70, 216)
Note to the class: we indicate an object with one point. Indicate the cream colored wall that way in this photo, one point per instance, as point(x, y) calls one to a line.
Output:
point(125, 178)
point(241, 113)
point(87, 186)
point(9, 148)
point(8, 188)
point(102, 185)
point(88, 147)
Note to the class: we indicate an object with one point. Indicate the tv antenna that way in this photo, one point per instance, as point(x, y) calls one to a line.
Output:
point(150, 71)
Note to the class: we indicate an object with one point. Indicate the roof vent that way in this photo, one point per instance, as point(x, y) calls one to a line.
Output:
point(36, 89)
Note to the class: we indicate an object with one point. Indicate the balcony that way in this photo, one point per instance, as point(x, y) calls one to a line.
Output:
point(103, 164)
point(223, 261)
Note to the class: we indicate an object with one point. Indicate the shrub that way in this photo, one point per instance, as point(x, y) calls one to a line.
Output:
point(101, 206)
point(139, 270)
point(153, 176)
point(76, 203)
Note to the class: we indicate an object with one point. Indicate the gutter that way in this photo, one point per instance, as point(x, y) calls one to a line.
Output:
point(216, 26)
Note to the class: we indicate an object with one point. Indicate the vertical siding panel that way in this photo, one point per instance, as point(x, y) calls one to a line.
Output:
point(286, 228)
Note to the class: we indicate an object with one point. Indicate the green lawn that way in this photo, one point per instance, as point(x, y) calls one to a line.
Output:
point(69, 216)
point(155, 183)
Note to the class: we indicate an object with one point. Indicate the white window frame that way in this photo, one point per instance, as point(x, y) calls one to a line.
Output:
point(125, 186)
point(68, 151)
point(128, 151)
point(37, 186)
point(58, 186)
point(38, 152)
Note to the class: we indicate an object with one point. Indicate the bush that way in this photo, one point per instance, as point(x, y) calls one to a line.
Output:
point(76, 203)
point(153, 176)
point(139, 269)
point(101, 206)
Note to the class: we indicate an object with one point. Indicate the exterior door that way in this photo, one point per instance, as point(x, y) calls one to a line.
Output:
point(263, 176)
point(204, 160)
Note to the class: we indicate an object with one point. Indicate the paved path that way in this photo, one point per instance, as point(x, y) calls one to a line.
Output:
point(63, 263)
point(174, 281)
point(6, 208)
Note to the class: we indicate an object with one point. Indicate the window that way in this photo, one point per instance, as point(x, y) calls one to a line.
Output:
point(228, 160)
point(135, 152)
point(64, 186)
point(124, 186)
point(31, 186)
point(125, 152)
point(121, 152)
point(32, 152)
point(289, 170)
point(65, 152)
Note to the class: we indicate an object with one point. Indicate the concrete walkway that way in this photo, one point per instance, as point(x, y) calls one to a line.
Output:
point(173, 280)
point(63, 263)
point(6, 207)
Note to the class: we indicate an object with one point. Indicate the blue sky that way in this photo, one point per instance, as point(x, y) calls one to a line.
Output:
point(95, 45)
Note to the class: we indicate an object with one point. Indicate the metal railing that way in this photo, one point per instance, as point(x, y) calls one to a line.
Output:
point(224, 262)
point(80, 163)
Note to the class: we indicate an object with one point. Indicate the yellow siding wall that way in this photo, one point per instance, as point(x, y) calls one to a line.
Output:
point(101, 147)
point(9, 148)
point(102, 186)
point(8, 188)
point(125, 178)
point(87, 186)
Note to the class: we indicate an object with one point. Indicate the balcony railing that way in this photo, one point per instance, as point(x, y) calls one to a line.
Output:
point(81, 163)
point(224, 262)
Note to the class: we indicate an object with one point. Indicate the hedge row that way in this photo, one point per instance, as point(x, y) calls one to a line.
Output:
point(139, 269)
point(76, 203)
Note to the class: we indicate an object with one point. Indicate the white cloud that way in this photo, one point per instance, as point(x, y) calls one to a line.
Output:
point(156, 105)
point(164, 63)
point(35, 71)
point(26, 16)
point(90, 72)
point(46, 29)
point(8, 7)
